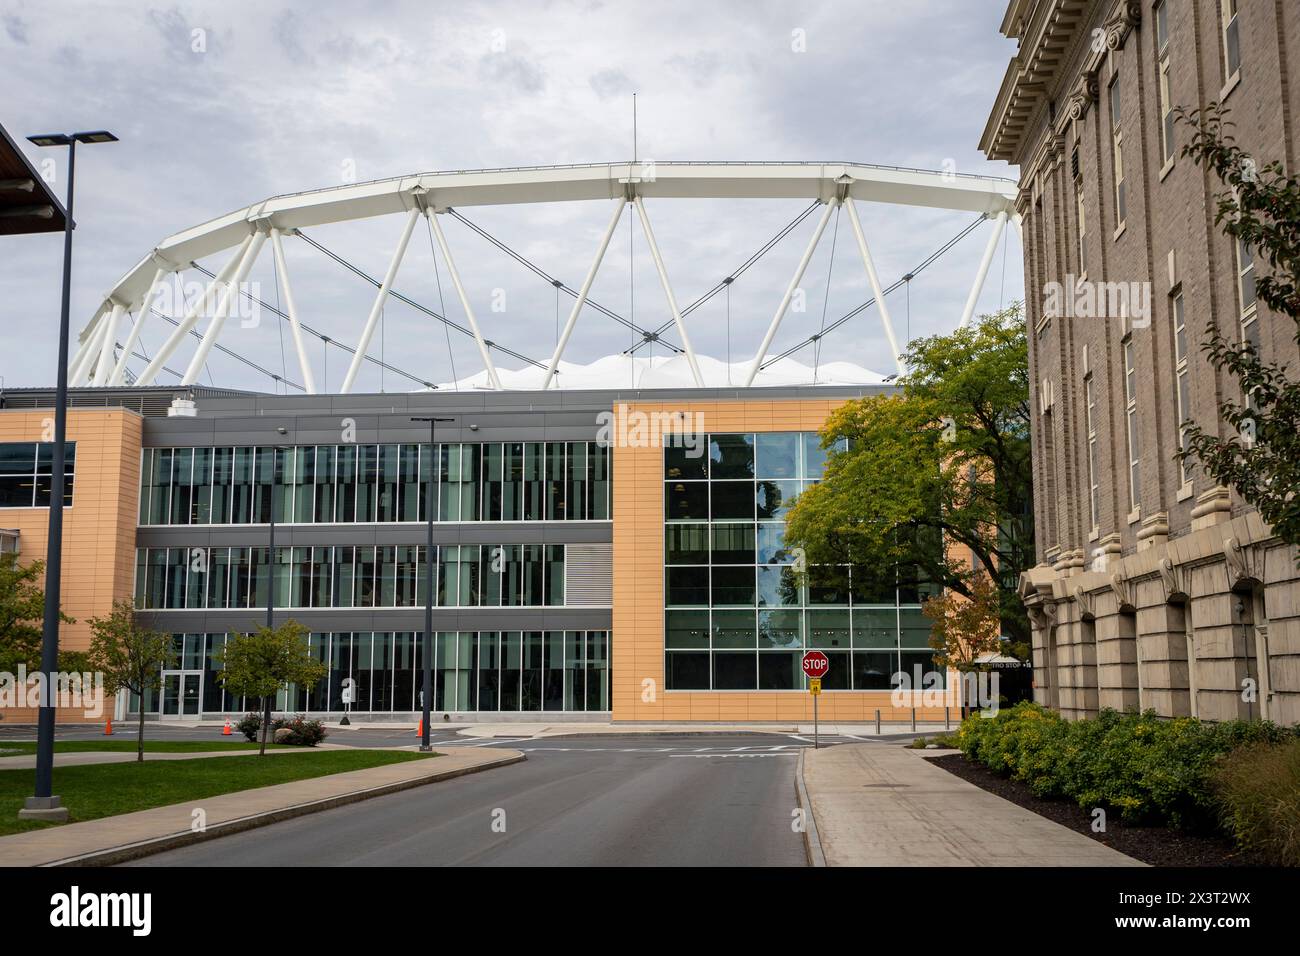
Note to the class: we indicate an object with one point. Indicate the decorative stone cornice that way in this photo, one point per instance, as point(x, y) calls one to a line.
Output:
point(1154, 531)
point(1122, 588)
point(1212, 507)
point(1081, 98)
point(1087, 604)
point(1123, 18)
point(1174, 578)
point(1243, 564)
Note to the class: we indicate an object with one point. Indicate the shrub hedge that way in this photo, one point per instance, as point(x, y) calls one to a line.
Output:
point(1258, 787)
point(1148, 770)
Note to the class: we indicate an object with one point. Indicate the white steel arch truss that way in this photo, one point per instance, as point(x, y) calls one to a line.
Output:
point(242, 233)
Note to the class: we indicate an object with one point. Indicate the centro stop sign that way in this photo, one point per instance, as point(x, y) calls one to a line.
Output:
point(816, 664)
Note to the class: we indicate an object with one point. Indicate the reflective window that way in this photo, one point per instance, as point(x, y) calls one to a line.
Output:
point(25, 470)
point(321, 484)
point(738, 616)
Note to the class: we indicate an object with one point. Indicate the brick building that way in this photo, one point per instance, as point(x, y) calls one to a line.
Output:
point(1155, 588)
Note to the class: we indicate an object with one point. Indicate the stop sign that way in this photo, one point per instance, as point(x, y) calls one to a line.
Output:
point(816, 664)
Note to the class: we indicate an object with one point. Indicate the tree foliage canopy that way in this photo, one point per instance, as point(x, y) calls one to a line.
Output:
point(936, 474)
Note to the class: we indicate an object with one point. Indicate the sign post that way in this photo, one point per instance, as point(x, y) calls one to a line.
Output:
point(815, 667)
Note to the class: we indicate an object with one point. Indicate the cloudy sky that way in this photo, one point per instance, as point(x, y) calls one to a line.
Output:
point(221, 104)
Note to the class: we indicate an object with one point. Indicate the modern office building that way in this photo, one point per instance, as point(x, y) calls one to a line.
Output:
point(1156, 588)
point(582, 567)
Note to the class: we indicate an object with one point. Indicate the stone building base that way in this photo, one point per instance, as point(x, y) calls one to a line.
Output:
point(1205, 625)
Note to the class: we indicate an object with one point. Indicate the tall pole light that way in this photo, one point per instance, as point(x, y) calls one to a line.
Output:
point(270, 557)
point(426, 647)
point(44, 804)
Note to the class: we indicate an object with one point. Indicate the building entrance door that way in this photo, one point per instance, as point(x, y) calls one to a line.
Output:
point(181, 695)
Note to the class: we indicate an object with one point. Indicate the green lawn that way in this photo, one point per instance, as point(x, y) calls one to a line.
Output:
point(103, 790)
point(16, 748)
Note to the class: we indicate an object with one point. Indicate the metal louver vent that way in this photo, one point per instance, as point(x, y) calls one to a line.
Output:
point(589, 575)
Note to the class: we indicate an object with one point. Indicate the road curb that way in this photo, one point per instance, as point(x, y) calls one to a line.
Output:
point(172, 841)
point(812, 843)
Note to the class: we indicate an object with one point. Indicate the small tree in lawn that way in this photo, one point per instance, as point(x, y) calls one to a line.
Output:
point(22, 610)
point(130, 657)
point(261, 663)
point(965, 627)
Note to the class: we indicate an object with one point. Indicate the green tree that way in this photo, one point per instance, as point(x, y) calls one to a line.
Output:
point(131, 657)
point(1260, 210)
point(260, 664)
point(22, 612)
point(936, 474)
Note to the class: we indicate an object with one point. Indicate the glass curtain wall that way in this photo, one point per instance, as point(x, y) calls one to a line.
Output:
point(324, 484)
point(737, 616)
point(473, 671)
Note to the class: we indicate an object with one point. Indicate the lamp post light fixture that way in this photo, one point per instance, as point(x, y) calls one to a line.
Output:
point(270, 553)
point(426, 694)
point(44, 804)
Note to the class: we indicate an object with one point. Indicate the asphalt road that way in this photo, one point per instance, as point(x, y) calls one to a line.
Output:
point(576, 801)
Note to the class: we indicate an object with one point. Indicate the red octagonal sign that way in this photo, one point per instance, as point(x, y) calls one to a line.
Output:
point(816, 664)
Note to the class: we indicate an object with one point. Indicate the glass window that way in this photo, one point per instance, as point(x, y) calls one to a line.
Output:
point(734, 629)
point(689, 629)
point(771, 544)
point(687, 586)
point(575, 673)
point(874, 670)
point(829, 629)
point(733, 586)
point(555, 483)
point(686, 544)
point(778, 586)
point(553, 671)
point(598, 469)
point(489, 670)
point(732, 499)
point(782, 629)
point(913, 628)
point(531, 692)
point(555, 575)
point(534, 482)
point(597, 670)
point(875, 627)
point(575, 478)
point(735, 670)
point(686, 499)
point(776, 454)
point(780, 670)
point(731, 456)
point(25, 468)
point(512, 645)
point(682, 462)
point(687, 670)
point(733, 543)
point(775, 498)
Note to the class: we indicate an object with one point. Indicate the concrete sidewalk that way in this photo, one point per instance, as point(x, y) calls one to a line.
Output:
point(127, 836)
point(879, 804)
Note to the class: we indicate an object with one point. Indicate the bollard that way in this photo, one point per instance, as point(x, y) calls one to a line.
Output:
point(913, 720)
point(877, 723)
point(946, 724)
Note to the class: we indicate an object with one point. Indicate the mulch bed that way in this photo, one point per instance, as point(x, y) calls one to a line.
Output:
point(1157, 846)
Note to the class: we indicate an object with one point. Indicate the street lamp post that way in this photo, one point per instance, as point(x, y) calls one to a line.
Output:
point(426, 702)
point(270, 559)
point(44, 805)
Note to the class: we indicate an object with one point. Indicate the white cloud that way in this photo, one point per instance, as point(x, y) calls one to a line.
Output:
point(286, 97)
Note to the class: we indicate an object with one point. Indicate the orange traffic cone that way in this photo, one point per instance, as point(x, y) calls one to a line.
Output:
point(108, 727)
point(419, 731)
point(225, 731)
